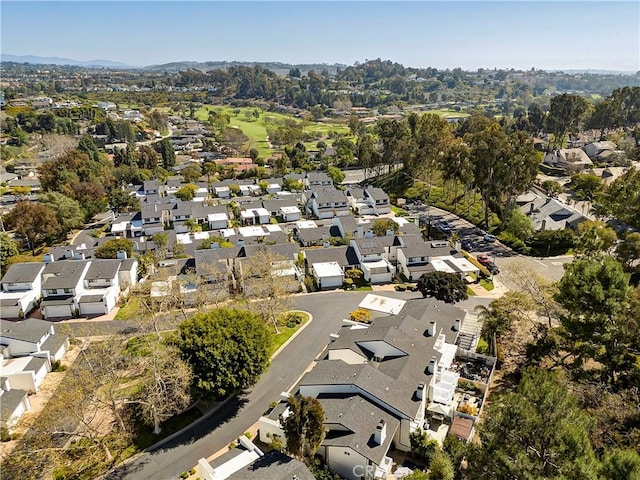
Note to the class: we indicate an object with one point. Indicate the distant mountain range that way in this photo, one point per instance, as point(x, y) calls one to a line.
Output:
point(277, 67)
point(34, 59)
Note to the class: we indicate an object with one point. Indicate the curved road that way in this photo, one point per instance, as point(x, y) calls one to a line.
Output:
point(239, 414)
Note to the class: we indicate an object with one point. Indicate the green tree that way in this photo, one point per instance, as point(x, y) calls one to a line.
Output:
point(536, 432)
point(628, 252)
point(337, 176)
point(440, 467)
point(168, 154)
point(191, 172)
point(303, 427)
point(147, 157)
point(622, 199)
point(33, 221)
point(8, 249)
point(423, 447)
point(186, 192)
point(446, 287)
point(227, 349)
point(122, 201)
point(110, 248)
point(594, 238)
point(596, 325)
point(67, 211)
point(519, 225)
point(566, 114)
point(88, 146)
point(552, 188)
point(619, 464)
point(382, 225)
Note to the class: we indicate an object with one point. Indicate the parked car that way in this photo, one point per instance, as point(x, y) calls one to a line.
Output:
point(493, 268)
point(489, 238)
point(483, 258)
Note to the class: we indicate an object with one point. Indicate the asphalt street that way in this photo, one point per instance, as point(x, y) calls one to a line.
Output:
point(238, 415)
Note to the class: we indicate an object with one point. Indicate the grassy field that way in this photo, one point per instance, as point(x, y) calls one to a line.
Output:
point(256, 129)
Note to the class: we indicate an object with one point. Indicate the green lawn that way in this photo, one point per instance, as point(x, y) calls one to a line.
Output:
point(487, 284)
point(145, 436)
point(285, 334)
point(129, 310)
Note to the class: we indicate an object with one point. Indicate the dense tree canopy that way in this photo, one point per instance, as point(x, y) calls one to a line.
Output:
point(33, 221)
point(538, 431)
point(68, 211)
point(110, 248)
point(447, 287)
point(228, 350)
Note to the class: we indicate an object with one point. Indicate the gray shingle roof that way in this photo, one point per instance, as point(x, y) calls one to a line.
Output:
point(392, 381)
point(29, 330)
point(271, 466)
point(64, 274)
point(35, 364)
point(53, 343)
point(329, 195)
point(10, 401)
point(104, 269)
point(22, 272)
point(361, 417)
point(344, 255)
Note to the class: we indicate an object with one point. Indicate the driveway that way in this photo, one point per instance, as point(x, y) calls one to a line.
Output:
point(239, 414)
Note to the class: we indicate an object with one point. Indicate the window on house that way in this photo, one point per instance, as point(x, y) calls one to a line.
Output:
point(68, 290)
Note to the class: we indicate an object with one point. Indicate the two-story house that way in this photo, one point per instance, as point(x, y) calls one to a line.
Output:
point(254, 216)
point(328, 203)
point(417, 257)
point(377, 384)
point(101, 287)
point(373, 258)
point(21, 289)
point(62, 287)
point(317, 179)
point(378, 200)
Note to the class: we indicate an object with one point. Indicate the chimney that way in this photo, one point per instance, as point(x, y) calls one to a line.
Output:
point(47, 258)
point(544, 225)
point(121, 255)
point(420, 391)
point(531, 208)
point(214, 245)
point(432, 365)
point(380, 433)
point(431, 331)
point(333, 337)
point(456, 326)
point(359, 232)
point(326, 244)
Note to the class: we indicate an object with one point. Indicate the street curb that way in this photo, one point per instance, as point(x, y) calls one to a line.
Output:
point(297, 332)
point(159, 443)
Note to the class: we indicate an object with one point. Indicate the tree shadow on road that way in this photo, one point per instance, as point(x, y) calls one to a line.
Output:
point(196, 431)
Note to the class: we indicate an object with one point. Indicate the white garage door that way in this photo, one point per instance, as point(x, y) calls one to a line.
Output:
point(92, 308)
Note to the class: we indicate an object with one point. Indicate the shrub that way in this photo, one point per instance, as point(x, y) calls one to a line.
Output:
point(483, 347)
point(360, 315)
point(514, 242)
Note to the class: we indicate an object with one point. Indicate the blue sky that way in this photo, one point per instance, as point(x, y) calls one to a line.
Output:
point(518, 34)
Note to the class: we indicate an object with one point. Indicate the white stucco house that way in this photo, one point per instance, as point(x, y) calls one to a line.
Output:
point(21, 289)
